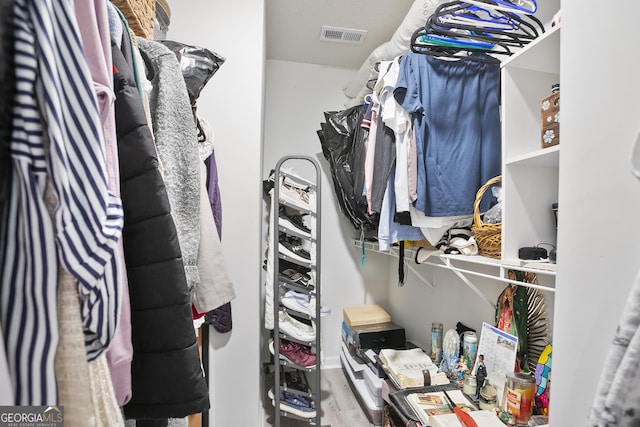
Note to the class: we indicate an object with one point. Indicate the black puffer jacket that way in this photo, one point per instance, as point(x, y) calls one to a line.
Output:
point(167, 378)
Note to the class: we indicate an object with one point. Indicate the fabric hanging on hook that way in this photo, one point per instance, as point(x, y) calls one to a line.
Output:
point(401, 264)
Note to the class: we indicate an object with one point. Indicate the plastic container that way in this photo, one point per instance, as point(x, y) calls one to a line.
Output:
point(470, 348)
point(436, 342)
point(488, 397)
point(469, 386)
point(521, 388)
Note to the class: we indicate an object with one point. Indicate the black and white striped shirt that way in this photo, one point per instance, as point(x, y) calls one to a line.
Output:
point(57, 137)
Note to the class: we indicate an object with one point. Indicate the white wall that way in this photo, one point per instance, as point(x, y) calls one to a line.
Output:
point(442, 298)
point(232, 103)
point(599, 199)
point(296, 97)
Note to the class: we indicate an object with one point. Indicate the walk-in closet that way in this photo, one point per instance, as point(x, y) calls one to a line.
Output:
point(264, 104)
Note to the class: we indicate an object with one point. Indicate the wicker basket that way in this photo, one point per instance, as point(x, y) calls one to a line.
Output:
point(140, 14)
point(487, 236)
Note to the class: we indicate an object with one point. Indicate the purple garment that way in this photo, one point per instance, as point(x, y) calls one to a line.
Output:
point(214, 193)
point(220, 317)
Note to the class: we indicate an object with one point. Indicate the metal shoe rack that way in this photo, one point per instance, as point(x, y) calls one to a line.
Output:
point(285, 370)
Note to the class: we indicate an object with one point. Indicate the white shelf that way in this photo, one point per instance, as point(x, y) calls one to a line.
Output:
point(469, 265)
point(538, 267)
point(542, 54)
point(544, 157)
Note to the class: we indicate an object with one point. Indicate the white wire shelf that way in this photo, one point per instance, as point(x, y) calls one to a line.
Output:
point(470, 265)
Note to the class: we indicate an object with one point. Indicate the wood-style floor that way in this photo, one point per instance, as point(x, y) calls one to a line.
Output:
point(339, 405)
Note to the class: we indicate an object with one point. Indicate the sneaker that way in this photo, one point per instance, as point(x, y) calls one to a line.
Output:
point(269, 183)
point(295, 328)
point(303, 303)
point(295, 353)
point(295, 197)
point(294, 404)
point(295, 276)
point(293, 249)
point(283, 264)
point(293, 223)
point(295, 380)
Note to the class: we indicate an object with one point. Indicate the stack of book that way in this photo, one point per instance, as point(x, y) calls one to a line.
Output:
point(410, 368)
point(448, 408)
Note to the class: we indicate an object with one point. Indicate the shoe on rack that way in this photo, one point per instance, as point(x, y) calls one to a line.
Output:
point(293, 249)
point(295, 353)
point(269, 183)
point(283, 264)
point(294, 404)
point(295, 328)
point(293, 223)
point(296, 197)
point(300, 279)
point(303, 303)
point(295, 380)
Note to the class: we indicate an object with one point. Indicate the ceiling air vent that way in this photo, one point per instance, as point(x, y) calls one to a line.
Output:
point(342, 35)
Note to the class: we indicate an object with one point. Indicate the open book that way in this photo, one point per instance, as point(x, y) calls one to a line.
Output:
point(426, 405)
point(431, 405)
point(406, 368)
point(482, 418)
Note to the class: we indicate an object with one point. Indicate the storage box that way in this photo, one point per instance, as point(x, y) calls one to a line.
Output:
point(380, 335)
point(371, 406)
point(363, 371)
point(550, 120)
point(365, 315)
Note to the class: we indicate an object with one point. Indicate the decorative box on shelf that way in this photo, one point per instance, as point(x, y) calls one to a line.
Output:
point(550, 118)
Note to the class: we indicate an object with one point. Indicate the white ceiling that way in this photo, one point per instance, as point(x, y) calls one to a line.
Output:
point(293, 29)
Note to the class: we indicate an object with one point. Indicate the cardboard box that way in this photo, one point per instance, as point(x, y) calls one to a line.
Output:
point(365, 315)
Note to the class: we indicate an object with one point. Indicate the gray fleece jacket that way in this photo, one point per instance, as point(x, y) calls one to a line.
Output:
point(176, 139)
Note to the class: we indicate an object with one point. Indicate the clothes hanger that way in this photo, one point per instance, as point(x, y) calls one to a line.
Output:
point(465, 13)
point(450, 49)
point(443, 37)
point(503, 39)
point(522, 11)
point(466, 55)
point(464, 28)
point(517, 6)
point(519, 28)
point(478, 17)
point(438, 40)
point(485, 15)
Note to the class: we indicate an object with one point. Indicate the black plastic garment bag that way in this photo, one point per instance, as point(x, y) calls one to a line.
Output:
point(343, 141)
